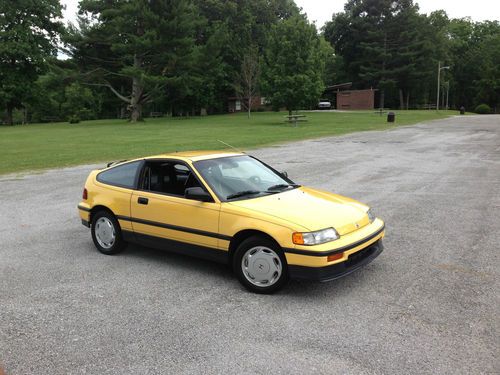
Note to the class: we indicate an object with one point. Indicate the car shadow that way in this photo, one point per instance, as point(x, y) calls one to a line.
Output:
point(316, 290)
point(177, 260)
point(345, 285)
point(294, 288)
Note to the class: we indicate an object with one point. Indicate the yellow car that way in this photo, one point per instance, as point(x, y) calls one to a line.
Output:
point(233, 208)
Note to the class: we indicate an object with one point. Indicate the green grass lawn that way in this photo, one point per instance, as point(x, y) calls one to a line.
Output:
point(41, 146)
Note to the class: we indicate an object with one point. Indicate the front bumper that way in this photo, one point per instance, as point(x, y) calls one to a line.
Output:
point(354, 261)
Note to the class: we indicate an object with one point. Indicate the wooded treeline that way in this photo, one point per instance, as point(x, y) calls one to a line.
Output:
point(390, 46)
point(186, 57)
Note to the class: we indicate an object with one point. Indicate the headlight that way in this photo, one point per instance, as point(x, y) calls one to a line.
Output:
point(371, 215)
point(315, 238)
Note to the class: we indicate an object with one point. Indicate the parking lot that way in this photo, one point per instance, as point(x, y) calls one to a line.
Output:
point(430, 304)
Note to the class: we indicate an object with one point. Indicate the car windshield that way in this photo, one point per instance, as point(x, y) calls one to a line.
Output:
point(241, 177)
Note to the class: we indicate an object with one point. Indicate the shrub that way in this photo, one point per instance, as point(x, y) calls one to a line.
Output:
point(74, 119)
point(483, 109)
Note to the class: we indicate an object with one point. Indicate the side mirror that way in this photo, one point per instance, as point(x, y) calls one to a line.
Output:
point(284, 174)
point(197, 194)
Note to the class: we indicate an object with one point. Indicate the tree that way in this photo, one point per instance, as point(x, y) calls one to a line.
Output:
point(435, 48)
point(29, 31)
point(208, 78)
point(474, 53)
point(231, 29)
point(388, 45)
point(360, 36)
point(248, 80)
point(409, 59)
point(135, 48)
point(487, 85)
point(80, 102)
point(294, 63)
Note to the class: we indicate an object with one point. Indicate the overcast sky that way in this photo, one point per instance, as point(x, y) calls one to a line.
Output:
point(479, 10)
point(322, 10)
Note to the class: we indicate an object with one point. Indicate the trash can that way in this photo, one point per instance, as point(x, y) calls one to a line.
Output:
point(462, 110)
point(391, 116)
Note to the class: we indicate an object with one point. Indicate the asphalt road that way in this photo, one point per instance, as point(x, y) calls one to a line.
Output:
point(428, 305)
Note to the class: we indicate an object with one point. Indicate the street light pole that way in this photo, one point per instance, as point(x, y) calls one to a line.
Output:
point(439, 78)
point(447, 92)
point(437, 97)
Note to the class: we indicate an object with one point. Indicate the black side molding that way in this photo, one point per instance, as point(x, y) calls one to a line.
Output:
point(175, 227)
point(166, 226)
point(83, 208)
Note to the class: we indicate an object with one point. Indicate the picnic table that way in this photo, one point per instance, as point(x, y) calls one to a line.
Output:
point(156, 114)
point(293, 119)
point(381, 111)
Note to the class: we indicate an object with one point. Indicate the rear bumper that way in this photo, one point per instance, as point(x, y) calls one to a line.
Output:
point(355, 261)
point(84, 213)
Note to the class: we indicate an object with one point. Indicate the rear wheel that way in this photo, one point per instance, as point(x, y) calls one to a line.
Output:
point(106, 233)
point(260, 265)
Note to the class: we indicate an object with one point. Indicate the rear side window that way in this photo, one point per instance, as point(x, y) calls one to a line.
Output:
point(122, 175)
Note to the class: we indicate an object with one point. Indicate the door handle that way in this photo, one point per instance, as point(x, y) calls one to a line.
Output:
point(142, 200)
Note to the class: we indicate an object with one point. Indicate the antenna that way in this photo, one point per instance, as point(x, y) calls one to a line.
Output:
point(227, 144)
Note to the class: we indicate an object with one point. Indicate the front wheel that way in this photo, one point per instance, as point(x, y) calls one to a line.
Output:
point(260, 265)
point(106, 233)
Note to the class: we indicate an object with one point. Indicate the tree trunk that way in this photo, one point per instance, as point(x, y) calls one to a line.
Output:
point(408, 100)
point(382, 92)
point(249, 105)
point(137, 89)
point(401, 100)
point(136, 112)
point(9, 119)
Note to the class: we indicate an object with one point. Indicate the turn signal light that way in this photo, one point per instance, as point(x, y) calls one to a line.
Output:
point(333, 257)
point(85, 194)
point(298, 238)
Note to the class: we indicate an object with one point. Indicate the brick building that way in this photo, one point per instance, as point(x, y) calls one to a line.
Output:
point(356, 99)
point(345, 98)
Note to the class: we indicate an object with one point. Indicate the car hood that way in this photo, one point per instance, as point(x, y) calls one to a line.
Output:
point(311, 208)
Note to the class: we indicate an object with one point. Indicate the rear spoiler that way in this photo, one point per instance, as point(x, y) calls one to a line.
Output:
point(111, 163)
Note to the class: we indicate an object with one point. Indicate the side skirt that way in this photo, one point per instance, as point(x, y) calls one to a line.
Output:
point(178, 247)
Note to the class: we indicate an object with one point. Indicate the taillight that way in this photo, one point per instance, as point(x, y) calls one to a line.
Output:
point(85, 194)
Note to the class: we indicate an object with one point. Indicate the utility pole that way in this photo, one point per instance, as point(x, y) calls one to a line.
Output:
point(439, 79)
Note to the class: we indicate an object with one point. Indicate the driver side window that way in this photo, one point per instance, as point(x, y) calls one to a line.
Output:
point(167, 177)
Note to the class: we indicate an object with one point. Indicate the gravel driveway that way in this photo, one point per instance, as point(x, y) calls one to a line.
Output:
point(428, 305)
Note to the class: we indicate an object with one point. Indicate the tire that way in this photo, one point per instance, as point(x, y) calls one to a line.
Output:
point(268, 257)
point(106, 233)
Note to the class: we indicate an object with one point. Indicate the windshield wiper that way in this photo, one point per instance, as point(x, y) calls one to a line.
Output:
point(243, 193)
point(280, 187)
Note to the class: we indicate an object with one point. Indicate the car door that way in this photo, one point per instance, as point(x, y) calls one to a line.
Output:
point(160, 211)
